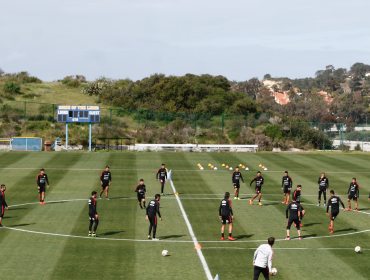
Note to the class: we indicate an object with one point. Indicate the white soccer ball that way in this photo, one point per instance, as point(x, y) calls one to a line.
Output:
point(358, 249)
point(230, 168)
point(164, 253)
point(247, 168)
point(265, 168)
point(215, 168)
point(274, 270)
point(201, 168)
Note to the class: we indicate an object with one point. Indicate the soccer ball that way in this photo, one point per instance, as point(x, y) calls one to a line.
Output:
point(358, 249)
point(274, 270)
point(164, 253)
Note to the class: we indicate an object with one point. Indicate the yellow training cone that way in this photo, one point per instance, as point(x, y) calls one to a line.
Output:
point(198, 164)
point(240, 164)
point(209, 164)
point(260, 165)
point(223, 164)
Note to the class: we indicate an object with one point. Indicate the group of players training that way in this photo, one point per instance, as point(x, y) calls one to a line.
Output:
point(294, 208)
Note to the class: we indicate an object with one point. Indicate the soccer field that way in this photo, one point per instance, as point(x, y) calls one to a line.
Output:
point(50, 241)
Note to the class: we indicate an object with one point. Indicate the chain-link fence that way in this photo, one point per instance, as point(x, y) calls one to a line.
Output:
point(334, 136)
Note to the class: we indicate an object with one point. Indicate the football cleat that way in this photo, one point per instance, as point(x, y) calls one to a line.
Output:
point(230, 238)
point(332, 231)
point(141, 207)
point(251, 202)
point(283, 202)
point(300, 238)
point(222, 238)
point(288, 238)
point(324, 205)
point(107, 198)
point(356, 210)
point(235, 198)
point(89, 235)
point(99, 196)
point(330, 227)
point(148, 236)
point(94, 235)
point(349, 208)
point(295, 224)
point(318, 204)
point(1, 226)
point(155, 239)
point(259, 203)
point(300, 224)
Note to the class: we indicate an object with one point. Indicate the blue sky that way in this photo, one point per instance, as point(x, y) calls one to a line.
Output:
point(133, 39)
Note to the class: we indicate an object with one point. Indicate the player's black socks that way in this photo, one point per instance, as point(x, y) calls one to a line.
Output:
point(222, 234)
point(230, 234)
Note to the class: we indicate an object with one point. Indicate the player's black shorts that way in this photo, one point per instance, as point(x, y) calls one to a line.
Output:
point(92, 218)
point(333, 215)
point(153, 220)
point(290, 221)
point(104, 186)
point(258, 190)
point(286, 189)
point(258, 270)
point(162, 180)
point(140, 196)
point(352, 196)
point(41, 189)
point(226, 220)
point(236, 185)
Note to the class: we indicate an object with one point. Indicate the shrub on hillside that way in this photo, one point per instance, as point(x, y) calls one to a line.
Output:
point(11, 87)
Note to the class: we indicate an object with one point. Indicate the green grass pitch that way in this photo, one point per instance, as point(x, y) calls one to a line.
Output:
point(50, 241)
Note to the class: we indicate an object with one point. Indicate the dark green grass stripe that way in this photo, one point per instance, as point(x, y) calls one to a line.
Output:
point(9, 158)
point(111, 224)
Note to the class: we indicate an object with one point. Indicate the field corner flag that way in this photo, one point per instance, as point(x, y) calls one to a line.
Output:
point(169, 175)
point(216, 278)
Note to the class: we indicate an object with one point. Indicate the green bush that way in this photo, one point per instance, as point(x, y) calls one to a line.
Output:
point(273, 131)
point(11, 87)
point(32, 79)
point(358, 148)
point(73, 84)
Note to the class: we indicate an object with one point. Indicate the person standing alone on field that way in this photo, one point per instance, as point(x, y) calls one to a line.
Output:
point(3, 204)
point(262, 260)
point(323, 188)
point(259, 182)
point(226, 216)
point(105, 181)
point(353, 193)
point(42, 178)
point(93, 214)
point(151, 215)
point(287, 185)
point(236, 177)
point(162, 174)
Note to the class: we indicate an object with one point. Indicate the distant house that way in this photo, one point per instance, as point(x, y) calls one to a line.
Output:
point(281, 98)
point(367, 74)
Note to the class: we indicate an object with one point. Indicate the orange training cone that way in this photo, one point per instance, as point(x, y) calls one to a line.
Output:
point(198, 246)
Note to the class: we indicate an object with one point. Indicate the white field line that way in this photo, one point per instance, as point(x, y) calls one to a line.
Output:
point(183, 170)
point(362, 249)
point(195, 241)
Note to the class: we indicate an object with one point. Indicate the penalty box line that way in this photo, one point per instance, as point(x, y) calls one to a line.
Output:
point(191, 232)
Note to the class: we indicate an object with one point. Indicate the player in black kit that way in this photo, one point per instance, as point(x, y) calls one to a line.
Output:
point(226, 216)
point(141, 191)
point(41, 179)
point(334, 203)
point(151, 215)
point(105, 181)
point(235, 179)
point(162, 174)
point(353, 193)
point(93, 214)
point(323, 187)
point(286, 185)
point(259, 182)
point(297, 195)
point(3, 204)
point(295, 212)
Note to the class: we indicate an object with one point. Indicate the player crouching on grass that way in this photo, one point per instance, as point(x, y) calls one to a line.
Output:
point(93, 214)
point(295, 212)
point(3, 204)
point(334, 203)
point(41, 179)
point(141, 191)
point(226, 216)
point(353, 193)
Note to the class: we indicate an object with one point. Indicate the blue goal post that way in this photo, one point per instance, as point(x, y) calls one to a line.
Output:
point(26, 144)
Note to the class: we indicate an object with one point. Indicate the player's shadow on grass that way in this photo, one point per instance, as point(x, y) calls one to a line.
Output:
point(123, 197)
point(309, 235)
point(244, 236)
point(22, 225)
point(361, 209)
point(273, 203)
point(346, 229)
point(311, 224)
point(171, 236)
point(18, 208)
point(111, 233)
